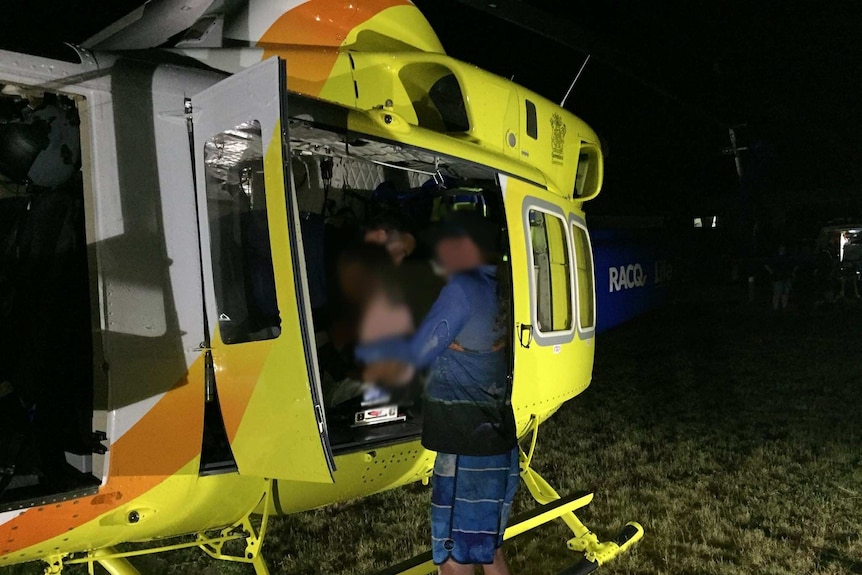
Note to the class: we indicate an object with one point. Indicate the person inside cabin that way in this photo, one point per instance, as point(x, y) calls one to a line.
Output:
point(363, 268)
point(390, 230)
point(383, 292)
point(418, 283)
point(467, 418)
point(362, 272)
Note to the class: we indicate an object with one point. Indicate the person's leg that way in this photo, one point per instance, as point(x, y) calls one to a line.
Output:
point(499, 566)
point(442, 509)
point(451, 567)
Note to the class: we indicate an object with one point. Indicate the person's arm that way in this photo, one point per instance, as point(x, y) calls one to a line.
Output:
point(441, 326)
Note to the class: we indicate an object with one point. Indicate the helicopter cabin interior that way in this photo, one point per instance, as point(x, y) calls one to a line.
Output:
point(347, 185)
point(47, 378)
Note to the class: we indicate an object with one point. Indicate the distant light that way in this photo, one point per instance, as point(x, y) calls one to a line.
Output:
point(317, 18)
point(698, 223)
point(714, 220)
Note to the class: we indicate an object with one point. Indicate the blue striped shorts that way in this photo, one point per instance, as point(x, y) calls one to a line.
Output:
point(470, 503)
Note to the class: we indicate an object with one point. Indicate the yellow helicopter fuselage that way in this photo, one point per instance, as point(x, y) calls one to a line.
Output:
point(166, 372)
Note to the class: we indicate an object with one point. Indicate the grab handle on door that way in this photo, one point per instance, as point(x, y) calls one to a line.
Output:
point(529, 329)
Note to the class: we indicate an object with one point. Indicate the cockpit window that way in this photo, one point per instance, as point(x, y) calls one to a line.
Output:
point(239, 236)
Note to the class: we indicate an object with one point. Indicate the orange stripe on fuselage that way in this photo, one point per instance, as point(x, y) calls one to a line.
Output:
point(317, 23)
point(239, 370)
point(166, 439)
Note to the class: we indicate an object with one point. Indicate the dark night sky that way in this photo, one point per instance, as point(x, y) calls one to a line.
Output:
point(790, 71)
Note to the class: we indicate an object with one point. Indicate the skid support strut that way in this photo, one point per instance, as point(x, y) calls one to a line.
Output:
point(551, 506)
point(112, 561)
point(595, 552)
point(253, 538)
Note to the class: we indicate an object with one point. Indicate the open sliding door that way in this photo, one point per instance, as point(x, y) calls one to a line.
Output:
point(260, 341)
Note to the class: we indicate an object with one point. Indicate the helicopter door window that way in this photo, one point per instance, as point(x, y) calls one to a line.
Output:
point(584, 278)
point(239, 236)
point(551, 272)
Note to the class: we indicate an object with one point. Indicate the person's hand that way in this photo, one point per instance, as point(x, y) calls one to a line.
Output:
point(388, 372)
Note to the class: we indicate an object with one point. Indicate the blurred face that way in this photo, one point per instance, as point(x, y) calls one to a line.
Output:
point(458, 254)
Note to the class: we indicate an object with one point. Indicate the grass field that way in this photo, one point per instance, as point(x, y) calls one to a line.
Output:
point(733, 435)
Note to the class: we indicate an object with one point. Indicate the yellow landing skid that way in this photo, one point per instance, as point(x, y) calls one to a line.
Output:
point(551, 506)
point(595, 552)
point(422, 564)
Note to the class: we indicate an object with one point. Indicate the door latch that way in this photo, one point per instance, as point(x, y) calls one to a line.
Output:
point(318, 412)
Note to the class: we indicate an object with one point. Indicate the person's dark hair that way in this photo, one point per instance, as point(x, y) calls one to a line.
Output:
point(390, 220)
point(484, 232)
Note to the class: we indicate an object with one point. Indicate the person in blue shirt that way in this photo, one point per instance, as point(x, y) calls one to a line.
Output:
point(467, 416)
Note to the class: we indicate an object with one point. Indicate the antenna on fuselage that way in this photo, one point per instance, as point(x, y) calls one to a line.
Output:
point(566, 97)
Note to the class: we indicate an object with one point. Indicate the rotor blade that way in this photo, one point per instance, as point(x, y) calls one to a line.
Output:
point(149, 25)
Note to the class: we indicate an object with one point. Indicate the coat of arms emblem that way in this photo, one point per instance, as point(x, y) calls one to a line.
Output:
point(558, 138)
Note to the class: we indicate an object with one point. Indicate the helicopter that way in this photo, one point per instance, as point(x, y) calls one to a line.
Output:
point(168, 193)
